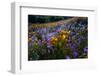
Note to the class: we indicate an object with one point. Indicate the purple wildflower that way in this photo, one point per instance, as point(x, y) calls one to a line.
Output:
point(85, 49)
point(33, 38)
point(67, 57)
point(79, 40)
point(75, 54)
point(40, 43)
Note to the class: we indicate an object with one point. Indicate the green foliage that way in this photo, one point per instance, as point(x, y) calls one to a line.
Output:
point(44, 19)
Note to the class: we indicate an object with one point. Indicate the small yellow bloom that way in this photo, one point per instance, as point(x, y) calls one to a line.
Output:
point(63, 36)
point(54, 40)
point(33, 32)
point(29, 39)
point(68, 32)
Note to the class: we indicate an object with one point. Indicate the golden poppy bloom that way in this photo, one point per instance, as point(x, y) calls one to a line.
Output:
point(64, 35)
point(54, 40)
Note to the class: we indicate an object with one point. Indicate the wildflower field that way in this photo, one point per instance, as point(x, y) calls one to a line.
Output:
point(57, 37)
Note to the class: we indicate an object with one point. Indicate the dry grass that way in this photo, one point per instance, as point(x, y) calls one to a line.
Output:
point(52, 24)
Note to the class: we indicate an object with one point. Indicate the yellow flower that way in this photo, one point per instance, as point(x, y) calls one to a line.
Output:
point(68, 32)
point(54, 40)
point(29, 39)
point(33, 32)
point(63, 36)
point(63, 32)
